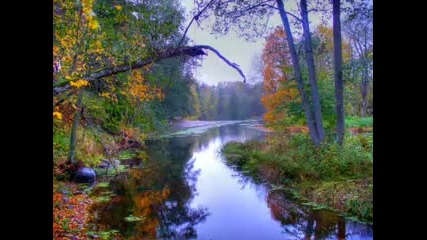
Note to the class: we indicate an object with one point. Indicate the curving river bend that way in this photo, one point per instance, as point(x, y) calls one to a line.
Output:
point(186, 191)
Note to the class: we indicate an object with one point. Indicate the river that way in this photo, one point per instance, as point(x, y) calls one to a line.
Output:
point(185, 190)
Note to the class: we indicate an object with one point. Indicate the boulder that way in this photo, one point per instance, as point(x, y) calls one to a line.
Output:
point(85, 175)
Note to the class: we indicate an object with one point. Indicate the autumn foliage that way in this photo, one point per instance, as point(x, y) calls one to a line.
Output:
point(277, 88)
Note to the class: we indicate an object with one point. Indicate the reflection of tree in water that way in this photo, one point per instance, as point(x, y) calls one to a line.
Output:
point(303, 223)
point(158, 193)
point(238, 133)
point(203, 140)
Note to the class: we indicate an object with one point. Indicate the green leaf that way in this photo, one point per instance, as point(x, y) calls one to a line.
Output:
point(132, 218)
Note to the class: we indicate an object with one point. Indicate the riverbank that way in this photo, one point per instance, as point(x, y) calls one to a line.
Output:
point(339, 178)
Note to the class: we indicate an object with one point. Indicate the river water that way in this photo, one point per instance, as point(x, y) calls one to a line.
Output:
point(185, 190)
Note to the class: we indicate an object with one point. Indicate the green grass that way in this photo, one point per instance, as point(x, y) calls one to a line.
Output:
point(127, 154)
point(358, 122)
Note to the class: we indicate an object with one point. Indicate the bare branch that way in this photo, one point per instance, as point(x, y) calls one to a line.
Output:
point(195, 17)
point(264, 4)
point(297, 18)
point(233, 65)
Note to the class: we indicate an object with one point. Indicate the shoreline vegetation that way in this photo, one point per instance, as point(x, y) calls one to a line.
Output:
point(331, 176)
point(123, 71)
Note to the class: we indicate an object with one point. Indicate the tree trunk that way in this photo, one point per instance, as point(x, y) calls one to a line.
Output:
point(297, 74)
point(309, 228)
point(364, 89)
point(317, 108)
point(341, 229)
point(73, 137)
point(339, 84)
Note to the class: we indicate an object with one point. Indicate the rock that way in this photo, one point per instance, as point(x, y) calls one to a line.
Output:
point(107, 163)
point(85, 175)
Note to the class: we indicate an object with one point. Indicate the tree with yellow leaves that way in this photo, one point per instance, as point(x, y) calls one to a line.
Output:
point(105, 49)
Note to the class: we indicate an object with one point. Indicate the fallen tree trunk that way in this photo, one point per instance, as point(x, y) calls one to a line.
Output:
point(192, 51)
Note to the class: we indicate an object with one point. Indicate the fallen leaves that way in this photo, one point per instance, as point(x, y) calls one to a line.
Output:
point(70, 214)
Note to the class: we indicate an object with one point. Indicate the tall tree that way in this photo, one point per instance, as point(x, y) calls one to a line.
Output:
point(315, 96)
point(339, 84)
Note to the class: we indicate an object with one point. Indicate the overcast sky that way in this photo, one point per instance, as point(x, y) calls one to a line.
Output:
point(213, 69)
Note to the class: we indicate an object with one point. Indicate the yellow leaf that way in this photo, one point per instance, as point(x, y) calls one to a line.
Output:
point(57, 115)
point(118, 7)
point(94, 25)
point(79, 83)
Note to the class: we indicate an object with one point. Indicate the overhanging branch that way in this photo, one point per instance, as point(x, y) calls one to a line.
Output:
point(192, 51)
point(233, 65)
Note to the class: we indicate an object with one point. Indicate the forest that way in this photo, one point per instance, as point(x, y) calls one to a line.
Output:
point(126, 78)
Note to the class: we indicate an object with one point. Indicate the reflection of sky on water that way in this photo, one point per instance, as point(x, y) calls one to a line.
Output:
point(238, 207)
point(236, 212)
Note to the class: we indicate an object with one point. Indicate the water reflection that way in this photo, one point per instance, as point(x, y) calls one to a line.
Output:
point(158, 193)
point(186, 191)
point(303, 223)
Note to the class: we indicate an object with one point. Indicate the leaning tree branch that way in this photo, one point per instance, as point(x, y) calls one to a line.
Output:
point(192, 51)
point(233, 65)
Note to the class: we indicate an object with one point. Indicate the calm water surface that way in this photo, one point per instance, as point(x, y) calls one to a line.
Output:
point(186, 191)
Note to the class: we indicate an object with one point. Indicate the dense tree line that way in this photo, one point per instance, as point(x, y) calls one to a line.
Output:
point(230, 101)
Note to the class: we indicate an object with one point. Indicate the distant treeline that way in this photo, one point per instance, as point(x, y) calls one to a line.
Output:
point(230, 101)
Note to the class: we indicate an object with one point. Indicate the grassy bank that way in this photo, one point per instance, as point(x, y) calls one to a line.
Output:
point(333, 176)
